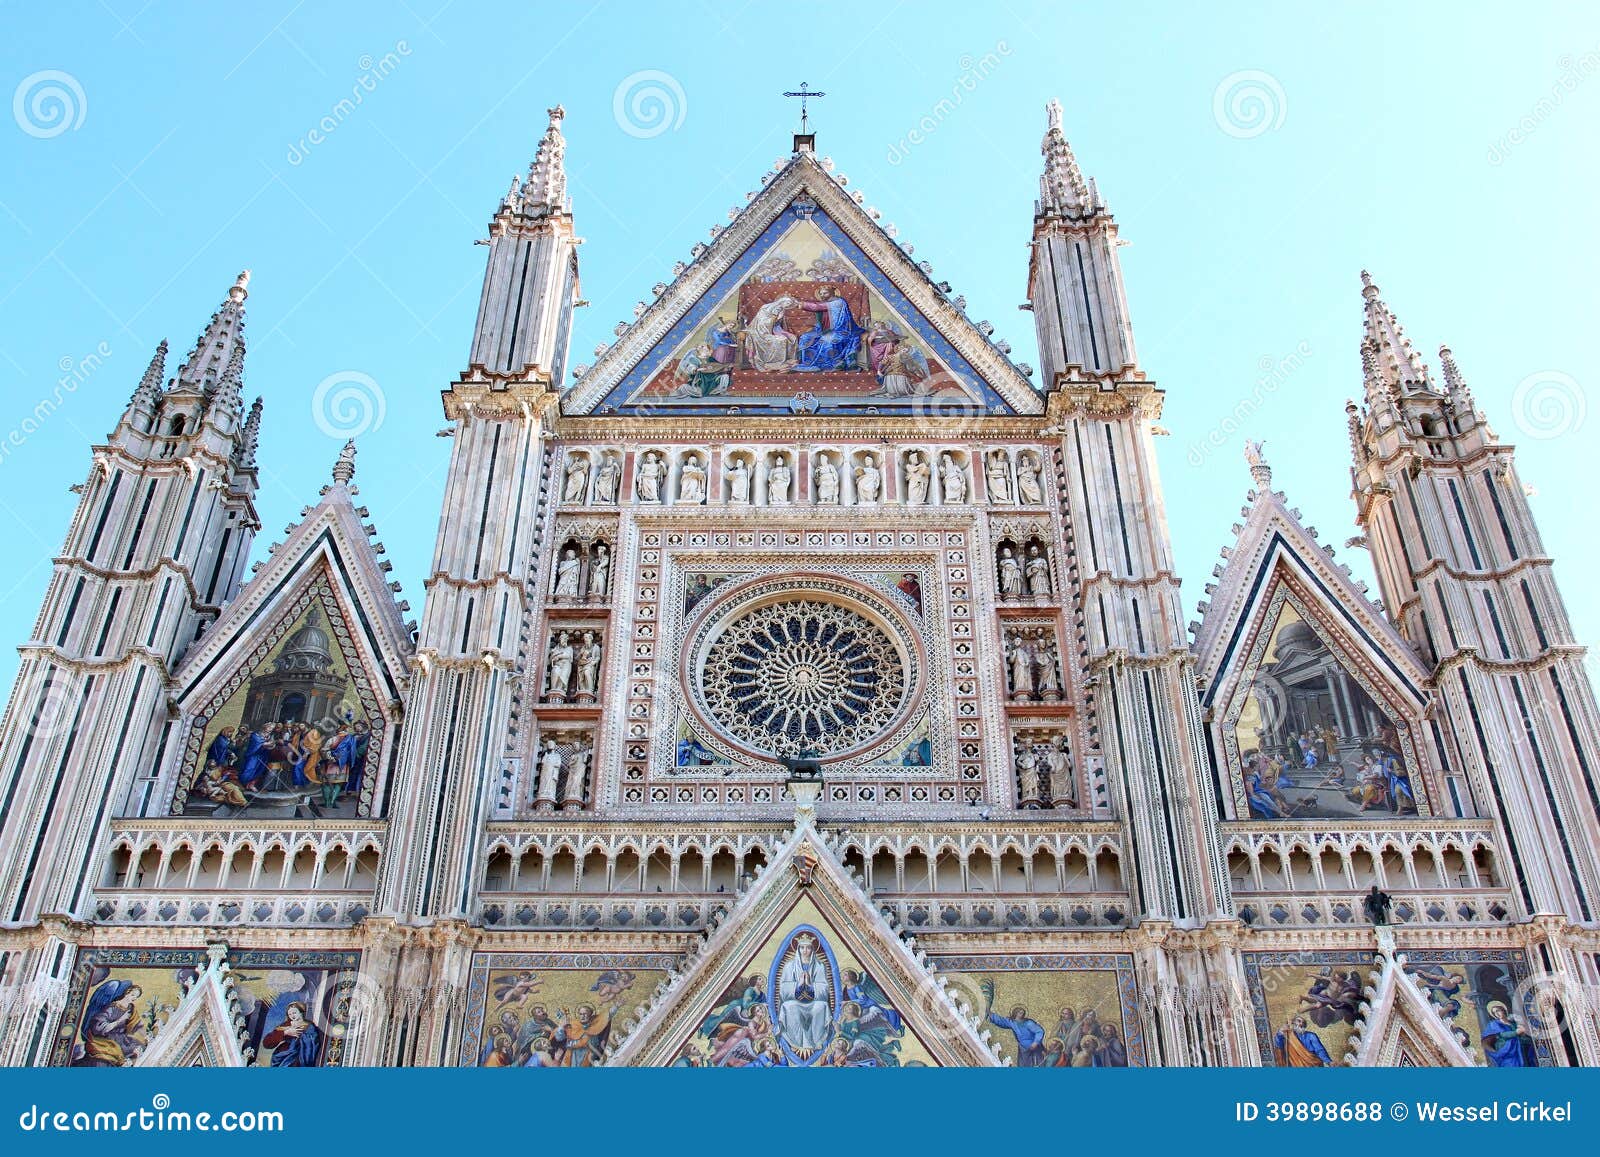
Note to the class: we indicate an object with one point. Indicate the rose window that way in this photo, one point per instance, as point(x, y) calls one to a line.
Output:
point(803, 674)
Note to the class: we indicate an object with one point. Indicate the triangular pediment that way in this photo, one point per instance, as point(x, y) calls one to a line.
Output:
point(803, 305)
point(313, 642)
point(1401, 1028)
point(200, 1032)
point(803, 972)
point(1315, 700)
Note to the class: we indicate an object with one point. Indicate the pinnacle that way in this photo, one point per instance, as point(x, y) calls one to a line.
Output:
point(149, 388)
point(1062, 188)
point(344, 469)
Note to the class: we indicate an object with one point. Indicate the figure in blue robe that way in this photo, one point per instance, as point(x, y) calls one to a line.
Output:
point(1400, 794)
point(1029, 1034)
point(1262, 803)
point(257, 755)
point(221, 751)
point(296, 1042)
point(861, 988)
point(358, 762)
point(835, 342)
point(724, 345)
point(1297, 1047)
point(692, 754)
point(1505, 1043)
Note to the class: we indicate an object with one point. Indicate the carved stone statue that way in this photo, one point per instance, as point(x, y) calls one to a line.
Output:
point(999, 474)
point(1029, 491)
point(919, 477)
point(778, 481)
point(567, 568)
point(1049, 684)
point(577, 479)
point(600, 572)
point(588, 657)
point(953, 479)
point(692, 481)
point(606, 477)
point(869, 479)
point(549, 773)
point(1063, 786)
point(577, 772)
point(738, 472)
point(1010, 575)
point(1038, 572)
point(1019, 660)
point(652, 470)
point(827, 477)
point(1027, 764)
point(558, 675)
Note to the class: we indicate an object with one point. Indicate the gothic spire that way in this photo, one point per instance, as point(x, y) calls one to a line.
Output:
point(1400, 366)
point(149, 390)
point(214, 349)
point(545, 190)
point(344, 470)
point(1062, 189)
point(1455, 385)
point(229, 396)
point(250, 436)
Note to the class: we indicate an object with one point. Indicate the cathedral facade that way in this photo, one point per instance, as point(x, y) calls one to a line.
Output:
point(802, 682)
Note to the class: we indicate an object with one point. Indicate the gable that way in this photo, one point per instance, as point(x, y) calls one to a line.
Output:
point(1307, 731)
point(1404, 1025)
point(903, 348)
point(764, 1018)
point(804, 972)
point(292, 722)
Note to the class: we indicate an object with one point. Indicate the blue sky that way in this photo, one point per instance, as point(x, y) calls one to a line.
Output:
point(1451, 154)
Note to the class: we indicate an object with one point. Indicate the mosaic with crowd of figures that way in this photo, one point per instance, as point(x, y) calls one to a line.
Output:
point(296, 1005)
point(1307, 1004)
point(1310, 740)
point(1054, 1011)
point(552, 1010)
point(296, 733)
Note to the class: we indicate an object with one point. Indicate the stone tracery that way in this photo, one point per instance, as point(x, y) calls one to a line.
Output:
point(803, 674)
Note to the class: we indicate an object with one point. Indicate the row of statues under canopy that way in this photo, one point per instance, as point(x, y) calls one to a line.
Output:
point(838, 478)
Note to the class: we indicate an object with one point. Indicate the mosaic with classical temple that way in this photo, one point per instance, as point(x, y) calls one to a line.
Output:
point(801, 681)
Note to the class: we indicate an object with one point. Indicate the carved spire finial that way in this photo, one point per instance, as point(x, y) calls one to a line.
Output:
point(1062, 188)
point(345, 468)
point(250, 436)
point(230, 387)
point(546, 186)
point(213, 350)
point(1260, 471)
point(149, 389)
point(1401, 367)
point(1455, 385)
